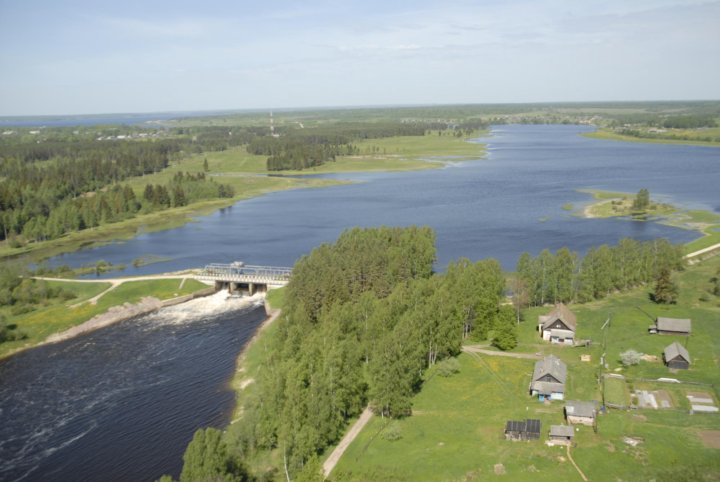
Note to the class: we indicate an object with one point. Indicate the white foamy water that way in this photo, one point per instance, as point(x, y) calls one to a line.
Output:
point(203, 308)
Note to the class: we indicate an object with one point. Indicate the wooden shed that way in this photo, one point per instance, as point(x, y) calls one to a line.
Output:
point(676, 356)
point(671, 326)
point(577, 412)
point(522, 429)
point(561, 434)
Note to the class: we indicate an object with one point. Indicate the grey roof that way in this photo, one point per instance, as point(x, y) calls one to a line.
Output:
point(577, 408)
point(562, 313)
point(551, 365)
point(547, 388)
point(530, 425)
point(675, 349)
point(561, 431)
point(683, 325)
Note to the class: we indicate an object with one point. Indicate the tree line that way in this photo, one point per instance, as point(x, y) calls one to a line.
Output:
point(563, 277)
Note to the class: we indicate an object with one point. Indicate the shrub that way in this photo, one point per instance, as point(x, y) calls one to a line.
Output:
point(392, 432)
point(448, 367)
point(630, 357)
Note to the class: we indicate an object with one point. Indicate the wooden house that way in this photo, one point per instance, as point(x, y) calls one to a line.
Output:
point(522, 429)
point(676, 356)
point(671, 326)
point(577, 412)
point(558, 326)
point(561, 434)
point(548, 380)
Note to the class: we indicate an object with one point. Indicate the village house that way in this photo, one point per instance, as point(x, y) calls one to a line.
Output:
point(548, 380)
point(561, 434)
point(671, 326)
point(558, 326)
point(577, 412)
point(676, 356)
point(522, 429)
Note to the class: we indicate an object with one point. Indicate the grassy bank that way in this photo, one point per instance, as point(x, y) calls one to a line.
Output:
point(58, 316)
point(247, 174)
point(456, 430)
point(618, 204)
point(607, 134)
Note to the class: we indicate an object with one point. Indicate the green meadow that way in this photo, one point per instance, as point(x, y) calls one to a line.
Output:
point(58, 316)
point(456, 430)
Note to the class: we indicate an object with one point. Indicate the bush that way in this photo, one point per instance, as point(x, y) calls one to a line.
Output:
point(630, 357)
point(448, 367)
point(392, 432)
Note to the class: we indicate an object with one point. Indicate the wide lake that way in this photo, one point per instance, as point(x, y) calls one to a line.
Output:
point(511, 201)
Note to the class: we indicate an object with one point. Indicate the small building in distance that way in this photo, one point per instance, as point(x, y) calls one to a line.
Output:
point(522, 429)
point(577, 412)
point(548, 380)
point(676, 356)
point(671, 326)
point(558, 326)
point(561, 434)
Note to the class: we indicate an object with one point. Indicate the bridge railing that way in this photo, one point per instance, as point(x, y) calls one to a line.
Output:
point(234, 271)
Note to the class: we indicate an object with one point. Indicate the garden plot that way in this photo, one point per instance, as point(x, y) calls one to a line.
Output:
point(654, 399)
point(702, 402)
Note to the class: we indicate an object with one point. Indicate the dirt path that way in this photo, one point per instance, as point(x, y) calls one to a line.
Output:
point(479, 349)
point(702, 251)
point(575, 465)
point(357, 427)
point(115, 282)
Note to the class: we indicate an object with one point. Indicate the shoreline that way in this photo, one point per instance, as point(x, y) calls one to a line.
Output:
point(238, 384)
point(114, 314)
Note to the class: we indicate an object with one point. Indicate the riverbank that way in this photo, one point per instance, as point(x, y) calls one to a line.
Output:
point(618, 204)
point(65, 319)
point(610, 135)
point(248, 175)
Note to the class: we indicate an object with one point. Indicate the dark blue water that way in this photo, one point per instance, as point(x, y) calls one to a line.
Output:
point(498, 207)
point(122, 403)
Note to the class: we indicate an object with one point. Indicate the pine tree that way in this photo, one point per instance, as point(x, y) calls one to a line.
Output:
point(666, 291)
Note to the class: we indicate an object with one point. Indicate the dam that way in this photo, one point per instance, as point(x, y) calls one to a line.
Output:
point(243, 279)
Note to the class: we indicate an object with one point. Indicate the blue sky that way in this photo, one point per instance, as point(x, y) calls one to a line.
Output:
point(74, 57)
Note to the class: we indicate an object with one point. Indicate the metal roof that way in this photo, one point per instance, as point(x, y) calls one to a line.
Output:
point(675, 349)
point(577, 408)
point(529, 426)
point(562, 313)
point(682, 325)
point(550, 365)
point(561, 431)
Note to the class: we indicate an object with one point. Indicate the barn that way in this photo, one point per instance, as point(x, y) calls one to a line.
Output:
point(522, 429)
point(676, 356)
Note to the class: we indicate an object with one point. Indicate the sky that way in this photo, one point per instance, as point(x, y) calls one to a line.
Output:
point(85, 57)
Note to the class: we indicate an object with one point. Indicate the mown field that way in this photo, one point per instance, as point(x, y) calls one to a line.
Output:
point(456, 430)
point(61, 315)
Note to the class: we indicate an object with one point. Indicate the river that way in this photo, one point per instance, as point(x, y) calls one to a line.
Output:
point(497, 207)
point(122, 403)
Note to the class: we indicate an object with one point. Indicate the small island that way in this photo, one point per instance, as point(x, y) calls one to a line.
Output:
point(641, 207)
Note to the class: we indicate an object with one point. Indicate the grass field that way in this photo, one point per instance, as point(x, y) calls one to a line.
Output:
point(456, 430)
point(60, 316)
point(607, 134)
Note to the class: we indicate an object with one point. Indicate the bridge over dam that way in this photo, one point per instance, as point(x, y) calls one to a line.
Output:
point(241, 278)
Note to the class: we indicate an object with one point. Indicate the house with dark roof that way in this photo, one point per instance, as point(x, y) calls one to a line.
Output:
point(561, 434)
point(676, 356)
point(577, 412)
point(671, 326)
point(548, 379)
point(558, 326)
point(522, 429)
